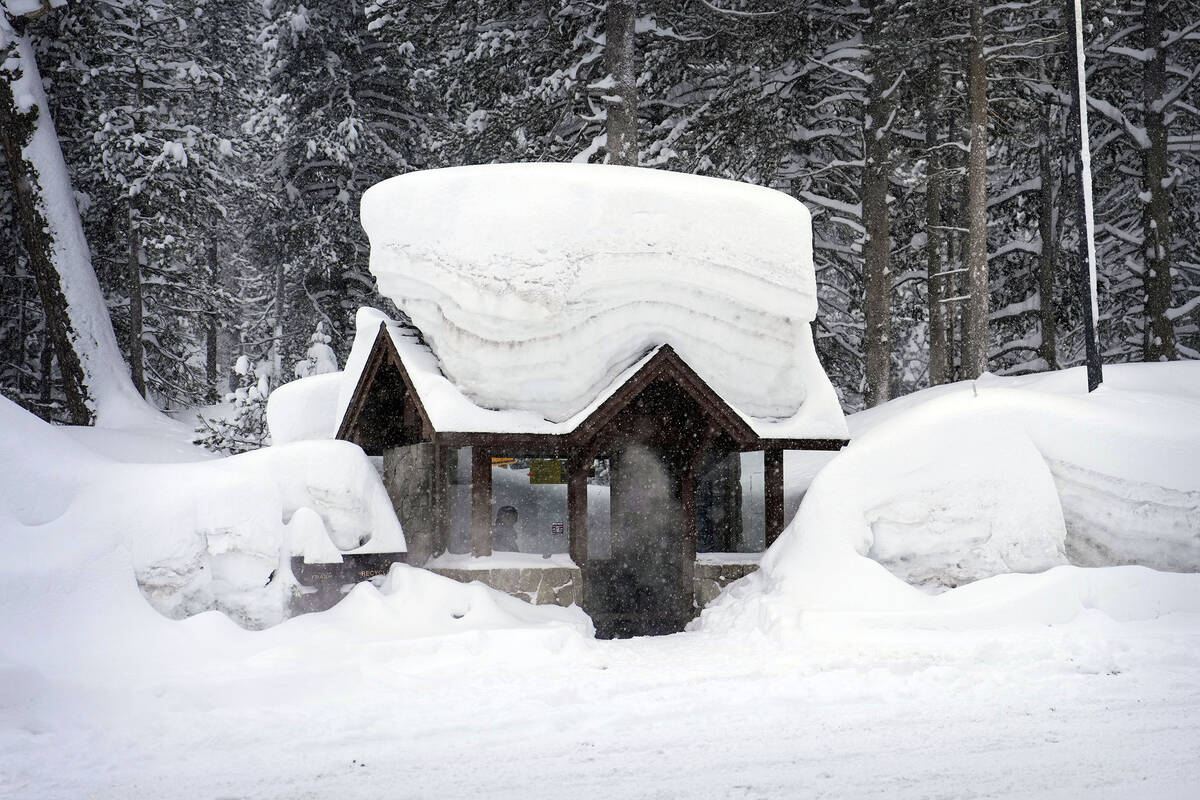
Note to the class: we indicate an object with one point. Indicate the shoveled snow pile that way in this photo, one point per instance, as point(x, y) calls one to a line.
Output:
point(995, 476)
point(201, 535)
point(537, 284)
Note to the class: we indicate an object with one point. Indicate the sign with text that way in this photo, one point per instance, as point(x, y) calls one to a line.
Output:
point(547, 470)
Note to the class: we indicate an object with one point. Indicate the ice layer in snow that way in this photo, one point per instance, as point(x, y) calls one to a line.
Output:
point(537, 285)
point(451, 409)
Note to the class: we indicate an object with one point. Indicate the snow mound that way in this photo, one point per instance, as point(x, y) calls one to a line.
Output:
point(414, 603)
point(76, 528)
point(537, 284)
point(942, 498)
point(305, 409)
point(197, 536)
point(968, 482)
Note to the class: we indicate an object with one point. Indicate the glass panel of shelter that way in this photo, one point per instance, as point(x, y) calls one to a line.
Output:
point(526, 516)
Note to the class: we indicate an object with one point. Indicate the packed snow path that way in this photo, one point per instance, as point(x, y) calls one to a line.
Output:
point(1095, 709)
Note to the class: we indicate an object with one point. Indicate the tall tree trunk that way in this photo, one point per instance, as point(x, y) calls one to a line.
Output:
point(77, 321)
point(975, 357)
point(1159, 337)
point(938, 368)
point(22, 333)
point(137, 355)
point(47, 364)
point(280, 309)
point(877, 307)
point(1048, 232)
point(210, 330)
point(1088, 267)
point(620, 53)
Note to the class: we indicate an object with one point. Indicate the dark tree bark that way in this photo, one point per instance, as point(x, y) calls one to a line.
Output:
point(77, 323)
point(938, 368)
point(47, 364)
point(876, 220)
point(975, 356)
point(620, 54)
point(1048, 232)
point(280, 310)
point(1159, 337)
point(1083, 197)
point(137, 355)
point(210, 331)
point(17, 128)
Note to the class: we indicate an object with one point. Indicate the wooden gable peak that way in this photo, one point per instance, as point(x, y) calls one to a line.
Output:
point(667, 363)
point(383, 352)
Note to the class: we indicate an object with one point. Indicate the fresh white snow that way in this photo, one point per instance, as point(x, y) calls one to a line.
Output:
point(822, 677)
point(197, 534)
point(537, 285)
point(988, 477)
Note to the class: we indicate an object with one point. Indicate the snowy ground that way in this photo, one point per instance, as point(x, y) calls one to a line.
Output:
point(1093, 709)
point(823, 675)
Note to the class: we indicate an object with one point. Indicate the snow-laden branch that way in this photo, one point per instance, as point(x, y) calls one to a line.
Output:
point(849, 209)
point(1172, 37)
point(1183, 310)
point(1106, 109)
point(734, 13)
point(1168, 99)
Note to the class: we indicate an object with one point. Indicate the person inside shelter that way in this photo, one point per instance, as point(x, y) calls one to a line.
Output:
point(504, 532)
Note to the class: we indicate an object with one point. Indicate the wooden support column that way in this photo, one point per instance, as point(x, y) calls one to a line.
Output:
point(481, 502)
point(687, 491)
point(577, 509)
point(773, 494)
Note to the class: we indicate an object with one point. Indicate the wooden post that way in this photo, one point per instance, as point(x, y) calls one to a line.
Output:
point(687, 491)
point(577, 509)
point(481, 502)
point(773, 494)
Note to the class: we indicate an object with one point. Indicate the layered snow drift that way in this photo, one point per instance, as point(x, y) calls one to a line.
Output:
point(537, 284)
point(202, 535)
point(968, 482)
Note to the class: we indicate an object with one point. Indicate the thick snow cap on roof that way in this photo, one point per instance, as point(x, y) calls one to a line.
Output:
point(536, 285)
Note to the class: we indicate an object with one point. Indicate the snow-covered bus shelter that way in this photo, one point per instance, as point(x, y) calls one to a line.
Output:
point(623, 332)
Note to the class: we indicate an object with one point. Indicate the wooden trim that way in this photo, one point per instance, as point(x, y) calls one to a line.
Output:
point(365, 378)
point(799, 444)
point(773, 494)
point(481, 502)
point(383, 348)
point(666, 362)
point(549, 445)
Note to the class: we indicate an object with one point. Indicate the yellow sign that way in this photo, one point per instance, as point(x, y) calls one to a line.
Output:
point(503, 462)
point(547, 470)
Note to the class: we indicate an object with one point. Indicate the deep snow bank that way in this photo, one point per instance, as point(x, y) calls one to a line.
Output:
point(199, 535)
point(537, 284)
point(965, 482)
point(75, 528)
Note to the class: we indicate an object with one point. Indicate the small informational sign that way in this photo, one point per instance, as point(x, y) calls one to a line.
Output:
point(547, 470)
point(556, 528)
